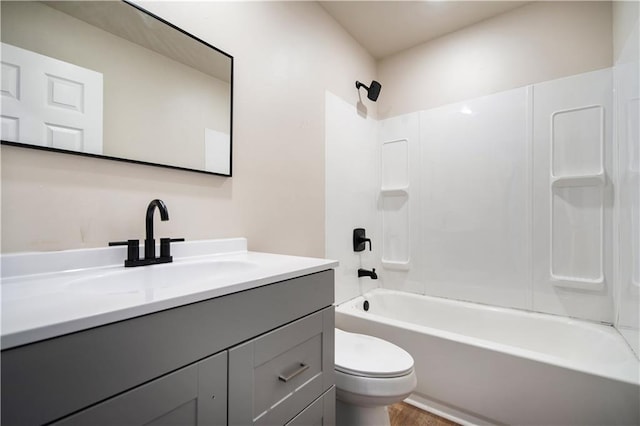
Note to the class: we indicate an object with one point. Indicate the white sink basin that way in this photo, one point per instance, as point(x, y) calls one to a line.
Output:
point(48, 294)
point(156, 277)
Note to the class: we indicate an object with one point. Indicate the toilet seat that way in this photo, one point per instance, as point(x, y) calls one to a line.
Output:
point(368, 356)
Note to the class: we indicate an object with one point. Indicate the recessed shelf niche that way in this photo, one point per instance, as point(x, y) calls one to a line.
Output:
point(394, 193)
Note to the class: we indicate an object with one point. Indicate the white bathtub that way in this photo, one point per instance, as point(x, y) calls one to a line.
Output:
point(478, 364)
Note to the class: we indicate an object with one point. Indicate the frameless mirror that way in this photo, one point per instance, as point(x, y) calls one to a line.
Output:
point(111, 80)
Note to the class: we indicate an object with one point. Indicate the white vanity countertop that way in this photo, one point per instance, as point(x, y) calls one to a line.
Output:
point(57, 300)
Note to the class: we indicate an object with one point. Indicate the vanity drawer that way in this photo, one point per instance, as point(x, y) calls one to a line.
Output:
point(275, 376)
point(322, 412)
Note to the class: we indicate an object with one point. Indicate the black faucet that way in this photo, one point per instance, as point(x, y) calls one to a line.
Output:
point(149, 241)
point(133, 246)
point(367, 273)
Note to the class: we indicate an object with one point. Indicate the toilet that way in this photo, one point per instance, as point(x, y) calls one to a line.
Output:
point(371, 374)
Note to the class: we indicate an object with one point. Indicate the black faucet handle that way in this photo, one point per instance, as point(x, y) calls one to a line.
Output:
point(133, 248)
point(165, 246)
point(360, 240)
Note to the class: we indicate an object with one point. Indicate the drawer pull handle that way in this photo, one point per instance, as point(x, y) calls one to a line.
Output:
point(300, 370)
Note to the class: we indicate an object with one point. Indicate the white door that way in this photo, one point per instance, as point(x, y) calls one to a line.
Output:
point(51, 103)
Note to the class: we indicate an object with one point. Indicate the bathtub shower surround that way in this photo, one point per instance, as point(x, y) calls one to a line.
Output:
point(524, 199)
point(505, 199)
point(509, 203)
point(486, 365)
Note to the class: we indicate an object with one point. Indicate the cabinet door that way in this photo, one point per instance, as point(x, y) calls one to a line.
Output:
point(194, 395)
point(274, 377)
point(212, 390)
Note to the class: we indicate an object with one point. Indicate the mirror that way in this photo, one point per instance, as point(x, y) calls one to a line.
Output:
point(108, 79)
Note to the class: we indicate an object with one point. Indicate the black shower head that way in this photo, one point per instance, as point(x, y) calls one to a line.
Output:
point(373, 91)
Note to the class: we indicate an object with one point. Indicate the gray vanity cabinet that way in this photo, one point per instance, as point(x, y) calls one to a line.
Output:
point(194, 395)
point(213, 362)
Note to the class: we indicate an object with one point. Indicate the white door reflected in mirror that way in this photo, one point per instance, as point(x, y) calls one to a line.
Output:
point(51, 103)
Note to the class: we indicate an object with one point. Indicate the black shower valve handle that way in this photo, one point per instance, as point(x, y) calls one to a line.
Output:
point(360, 240)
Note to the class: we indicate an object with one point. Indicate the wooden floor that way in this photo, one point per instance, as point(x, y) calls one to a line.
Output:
point(403, 414)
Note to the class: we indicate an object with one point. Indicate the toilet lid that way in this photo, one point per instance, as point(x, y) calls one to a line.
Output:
point(368, 356)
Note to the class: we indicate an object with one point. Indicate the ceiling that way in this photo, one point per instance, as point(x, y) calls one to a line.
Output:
point(129, 23)
point(388, 27)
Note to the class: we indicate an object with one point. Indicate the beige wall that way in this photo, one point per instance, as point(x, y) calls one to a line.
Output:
point(286, 55)
point(537, 42)
point(144, 92)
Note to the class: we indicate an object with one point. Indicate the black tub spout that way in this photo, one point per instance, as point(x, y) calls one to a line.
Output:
point(367, 273)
